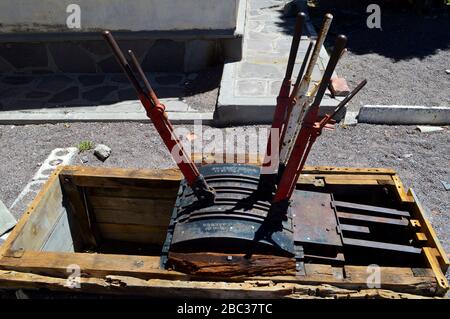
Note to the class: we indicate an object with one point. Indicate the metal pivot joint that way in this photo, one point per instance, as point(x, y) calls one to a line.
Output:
point(202, 191)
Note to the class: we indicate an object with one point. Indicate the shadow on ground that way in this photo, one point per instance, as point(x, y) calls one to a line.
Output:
point(33, 91)
point(408, 31)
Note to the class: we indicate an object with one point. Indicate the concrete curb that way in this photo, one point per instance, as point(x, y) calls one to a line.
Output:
point(49, 116)
point(57, 157)
point(404, 114)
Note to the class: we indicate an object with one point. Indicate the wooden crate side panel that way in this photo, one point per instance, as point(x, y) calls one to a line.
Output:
point(136, 211)
point(163, 192)
point(125, 285)
point(60, 239)
point(123, 178)
point(99, 266)
point(80, 217)
point(427, 229)
point(92, 265)
point(142, 234)
point(126, 204)
point(257, 159)
point(44, 213)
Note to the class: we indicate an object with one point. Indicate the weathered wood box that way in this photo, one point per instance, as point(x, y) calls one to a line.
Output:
point(111, 224)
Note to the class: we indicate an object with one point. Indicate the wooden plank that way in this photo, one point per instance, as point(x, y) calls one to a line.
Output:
point(231, 265)
point(393, 278)
point(81, 218)
point(418, 212)
point(204, 159)
point(168, 193)
point(87, 176)
point(400, 190)
point(134, 233)
point(355, 177)
point(121, 177)
point(125, 285)
point(358, 179)
point(332, 181)
point(29, 213)
point(60, 239)
point(431, 256)
point(254, 159)
point(346, 170)
point(132, 210)
point(149, 218)
point(400, 279)
point(95, 265)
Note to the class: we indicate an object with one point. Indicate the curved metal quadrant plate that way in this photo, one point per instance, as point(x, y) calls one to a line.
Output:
point(234, 223)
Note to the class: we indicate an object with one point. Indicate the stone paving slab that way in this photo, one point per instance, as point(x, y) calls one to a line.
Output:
point(249, 87)
point(18, 92)
point(52, 98)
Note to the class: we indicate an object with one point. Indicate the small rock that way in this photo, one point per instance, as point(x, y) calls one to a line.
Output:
point(339, 87)
point(407, 155)
point(84, 159)
point(447, 71)
point(446, 185)
point(102, 152)
point(429, 129)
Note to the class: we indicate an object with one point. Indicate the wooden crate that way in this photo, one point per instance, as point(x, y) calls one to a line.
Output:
point(99, 219)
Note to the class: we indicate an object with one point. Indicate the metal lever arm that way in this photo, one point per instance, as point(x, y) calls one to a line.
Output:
point(299, 98)
point(290, 175)
point(156, 112)
point(282, 104)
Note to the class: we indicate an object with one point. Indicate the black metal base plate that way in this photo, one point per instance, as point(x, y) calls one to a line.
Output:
point(235, 223)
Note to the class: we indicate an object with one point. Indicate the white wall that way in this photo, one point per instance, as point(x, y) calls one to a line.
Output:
point(125, 15)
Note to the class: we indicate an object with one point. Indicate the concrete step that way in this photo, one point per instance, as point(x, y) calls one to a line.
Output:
point(249, 87)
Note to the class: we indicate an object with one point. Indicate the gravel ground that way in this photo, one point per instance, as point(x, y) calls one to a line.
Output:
point(421, 159)
point(404, 62)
